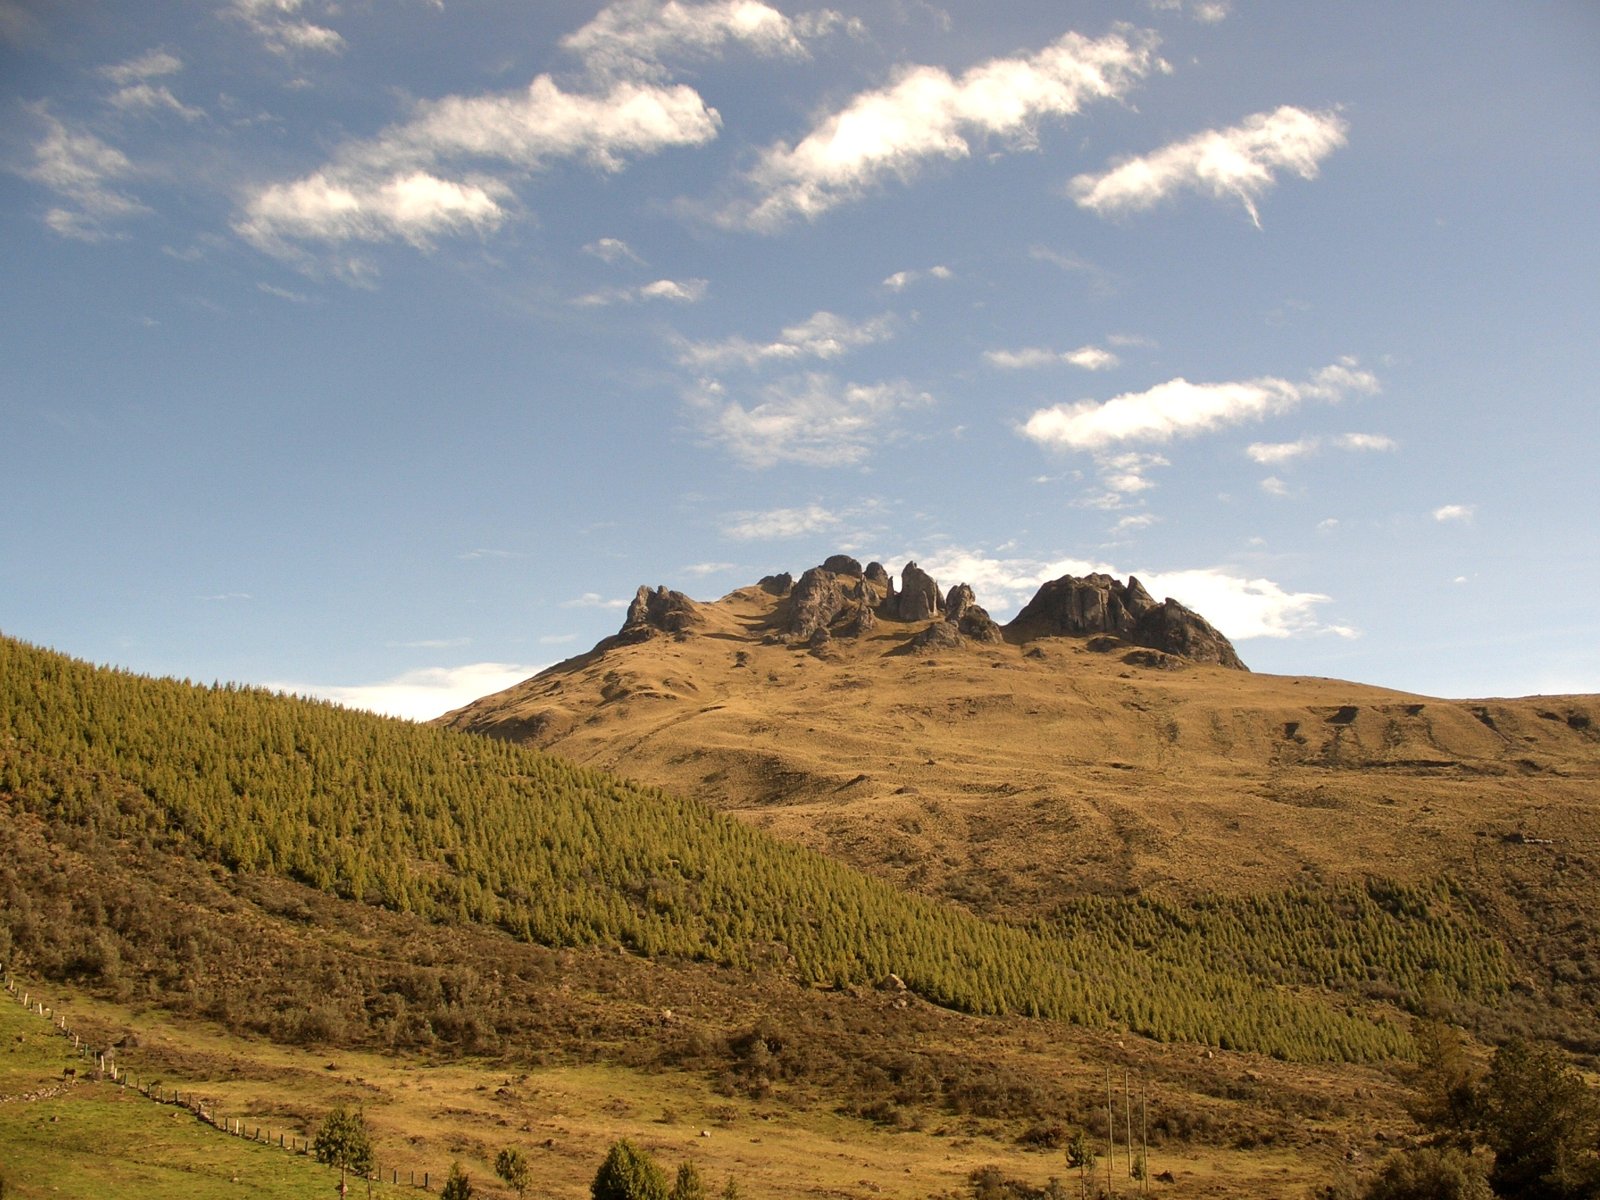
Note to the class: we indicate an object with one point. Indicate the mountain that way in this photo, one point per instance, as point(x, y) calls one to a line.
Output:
point(1081, 753)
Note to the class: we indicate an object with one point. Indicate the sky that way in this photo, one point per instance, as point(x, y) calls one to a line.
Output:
point(380, 349)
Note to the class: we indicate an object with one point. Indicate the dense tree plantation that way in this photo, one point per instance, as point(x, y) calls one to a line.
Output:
point(457, 828)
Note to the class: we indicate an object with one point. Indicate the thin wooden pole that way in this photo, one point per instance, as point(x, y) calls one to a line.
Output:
point(1111, 1137)
point(1127, 1106)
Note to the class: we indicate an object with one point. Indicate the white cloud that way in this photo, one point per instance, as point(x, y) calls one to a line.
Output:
point(779, 523)
point(1090, 358)
point(149, 97)
point(613, 250)
point(813, 419)
point(1328, 524)
point(1279, 453)
point(927, 114)
point(1239, 162)
point(432, 644)
point(415, 207)
point(1178, 408)
point(391, 186)
point(1454, 512)
point(153, 64)
point(224, 597)
point(900, 280)
point(1134, 521)
point(595, 600)
point(486, 553)
point(823, 335)
point(283, 293)
point(422, 694)
point(700, 570)
point(633, 37)
point(680, 291)
point(1208, 12)
point(1124, 474)
point(1241, 607)
point(1364, 442)
point(79, 167)
point(282, 30)
point(1274, 453)
point(1273, 486)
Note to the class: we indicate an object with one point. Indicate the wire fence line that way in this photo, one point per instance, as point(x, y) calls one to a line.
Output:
point(102, 1066)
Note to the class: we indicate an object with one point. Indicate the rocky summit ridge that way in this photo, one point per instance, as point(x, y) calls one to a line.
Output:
point(842, 599)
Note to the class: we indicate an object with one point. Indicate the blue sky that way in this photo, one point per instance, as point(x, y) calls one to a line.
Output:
point(381, 348)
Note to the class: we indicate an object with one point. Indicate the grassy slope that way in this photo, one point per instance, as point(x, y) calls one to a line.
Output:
point(97, 1139)
point(425, 821)
point(1018, 780)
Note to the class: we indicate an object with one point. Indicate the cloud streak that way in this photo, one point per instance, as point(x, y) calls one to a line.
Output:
point(634, 37)
point(395, 185)
point(927, 114)
point(421, 694)
point(822, 335)
point(1240, 162)
point(1180, 409)
point(1089, 358)
point(778, 523)
point(80, 168)
point(814, 419)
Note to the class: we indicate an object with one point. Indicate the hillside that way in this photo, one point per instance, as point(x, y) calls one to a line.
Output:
point(1036, 773)
point(214, 871)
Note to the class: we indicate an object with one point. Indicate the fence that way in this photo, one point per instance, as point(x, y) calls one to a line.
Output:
point(106, 1069)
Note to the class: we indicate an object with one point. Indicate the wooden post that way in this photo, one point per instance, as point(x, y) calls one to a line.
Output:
point(1127, 1104)
point(1144, 1130)
point(1111, 1138)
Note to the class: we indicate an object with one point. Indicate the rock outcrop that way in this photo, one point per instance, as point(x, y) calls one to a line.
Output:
point(961, 608)
point(814, 603)
point(1098, 604)
point(659, 611)
point(776, 585)
point(842, 564)
point(919, 596)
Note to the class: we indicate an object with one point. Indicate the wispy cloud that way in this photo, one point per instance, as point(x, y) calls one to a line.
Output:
point(153, 64)
point(80, 169)
point(1090, 358)
point(422, 694)
point(778, 523)
point(482, 552)
point(225, 597)
point(152, 98)
point(1240, 606)
point(282, 29)
point(700, 570)
point(1208, 12)
point(1239, 162)
point(822, 335)
point(813, 419)
point(679, 291)
point(1180, 409)
point(635, 37)
point(1455, 512)
point(1281, 453)
point(928, 114)
point(432, 644)
point(613, 250)
point(595, 600)
point(395, 186)
point(901, 280)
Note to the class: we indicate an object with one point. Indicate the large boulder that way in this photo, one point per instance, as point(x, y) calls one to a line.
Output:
point(1098, 605)
point(659, 611)
point(842, 564)
point(817, 599)
point(919, 596)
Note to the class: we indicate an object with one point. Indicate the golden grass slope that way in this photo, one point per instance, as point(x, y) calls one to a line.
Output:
point(1011, 777)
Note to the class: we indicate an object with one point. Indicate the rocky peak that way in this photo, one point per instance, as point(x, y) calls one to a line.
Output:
point(659, 611)
point(919, 596)
point(1099, 604)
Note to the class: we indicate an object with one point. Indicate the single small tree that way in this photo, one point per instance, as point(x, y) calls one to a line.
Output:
point(457, 1186)
point(342, 1141)
point(629, 1174)
point(688, 1185)
point(730, 1190)
point(1080, 1157)
point(512, 1166)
